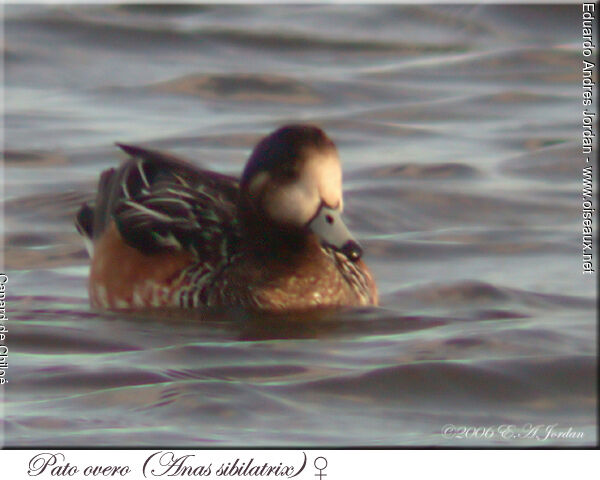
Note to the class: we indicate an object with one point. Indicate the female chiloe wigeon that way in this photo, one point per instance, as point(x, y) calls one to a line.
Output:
point(163, 233)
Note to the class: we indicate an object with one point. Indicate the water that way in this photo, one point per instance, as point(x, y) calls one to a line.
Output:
point(459, 130)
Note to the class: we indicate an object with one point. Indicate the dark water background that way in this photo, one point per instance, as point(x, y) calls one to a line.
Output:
point(459, 129)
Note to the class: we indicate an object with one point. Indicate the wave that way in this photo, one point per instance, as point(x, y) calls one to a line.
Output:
point(476, 293)
point(242, 88)
point(75, 25)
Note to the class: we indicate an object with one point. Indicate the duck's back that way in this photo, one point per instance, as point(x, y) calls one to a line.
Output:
point(153, 218)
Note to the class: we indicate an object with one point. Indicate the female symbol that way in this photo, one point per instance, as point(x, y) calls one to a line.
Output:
point(320, 461)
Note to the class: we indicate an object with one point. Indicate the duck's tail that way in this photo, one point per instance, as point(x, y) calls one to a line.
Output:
point(84, 221)
point(91, 218)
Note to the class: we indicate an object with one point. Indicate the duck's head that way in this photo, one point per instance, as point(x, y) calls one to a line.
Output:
point(293, 181)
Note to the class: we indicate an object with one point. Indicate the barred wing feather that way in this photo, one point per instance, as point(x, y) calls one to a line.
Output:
point(162, 203)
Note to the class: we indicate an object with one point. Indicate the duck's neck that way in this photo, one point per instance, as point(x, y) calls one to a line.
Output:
point(275, 244)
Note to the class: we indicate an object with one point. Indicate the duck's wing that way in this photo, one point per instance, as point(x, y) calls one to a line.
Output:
point(161, 203)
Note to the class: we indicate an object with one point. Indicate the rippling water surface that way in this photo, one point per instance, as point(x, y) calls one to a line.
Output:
point(459, 129)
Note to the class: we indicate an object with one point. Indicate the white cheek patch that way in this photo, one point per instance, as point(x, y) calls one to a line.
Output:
point(293, 204)
point(297, 203)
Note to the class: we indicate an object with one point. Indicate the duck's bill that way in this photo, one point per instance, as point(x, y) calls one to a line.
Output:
point(327, 224)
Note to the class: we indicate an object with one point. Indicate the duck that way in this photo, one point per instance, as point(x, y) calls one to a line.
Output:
point(164, 233)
